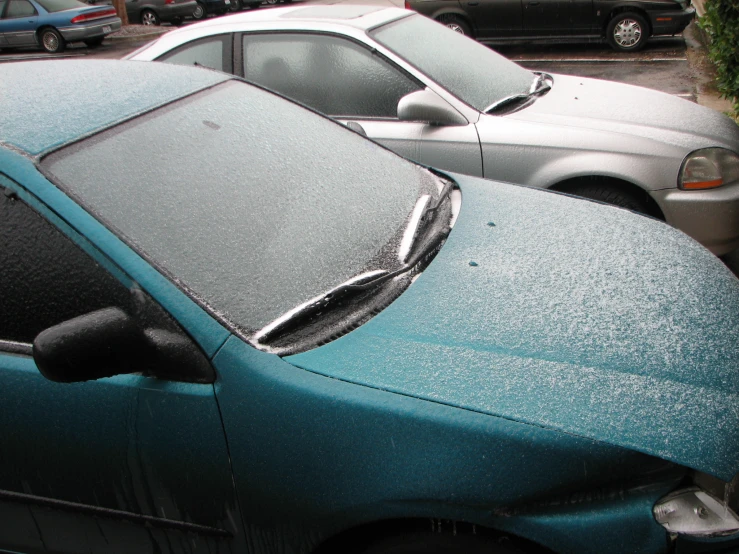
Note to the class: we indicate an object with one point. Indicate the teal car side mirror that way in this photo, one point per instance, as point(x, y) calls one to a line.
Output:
point(110, 342)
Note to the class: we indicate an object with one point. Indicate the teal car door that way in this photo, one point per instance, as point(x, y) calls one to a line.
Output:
point(129, 463)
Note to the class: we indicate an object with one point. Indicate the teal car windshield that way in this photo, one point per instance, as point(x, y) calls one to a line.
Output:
point(252, 204)
point(472, 72)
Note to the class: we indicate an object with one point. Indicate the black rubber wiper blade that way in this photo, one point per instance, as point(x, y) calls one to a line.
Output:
point(423, 213)
point(506, 102)
point(540, 85)
point(305, 310)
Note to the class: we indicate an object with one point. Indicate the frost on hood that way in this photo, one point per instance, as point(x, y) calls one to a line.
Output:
point(578, 316)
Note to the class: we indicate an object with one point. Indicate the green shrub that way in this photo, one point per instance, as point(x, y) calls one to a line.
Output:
point(721, 23)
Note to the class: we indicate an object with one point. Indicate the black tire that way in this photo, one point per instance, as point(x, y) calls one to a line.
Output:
point(455, 23)
point(235, 6)
point(432, 543)
point(627, 32)
point(51, 41)
point(200, 12)
point(610, 194)
point(94, 42)
point(176, 21)
point(148, 17)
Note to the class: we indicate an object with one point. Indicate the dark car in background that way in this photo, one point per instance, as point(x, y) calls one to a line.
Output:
point(51, 24)
point(155, 12)
point(625, 25)
point(205, 7)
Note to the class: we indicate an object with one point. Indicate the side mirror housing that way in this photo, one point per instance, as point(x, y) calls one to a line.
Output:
point(109, 342)
point(92, 346)
point(429, 107)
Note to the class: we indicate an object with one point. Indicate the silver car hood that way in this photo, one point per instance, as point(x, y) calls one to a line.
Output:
point(625, 109)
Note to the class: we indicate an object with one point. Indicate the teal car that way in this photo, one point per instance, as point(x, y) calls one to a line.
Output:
point(230, 324)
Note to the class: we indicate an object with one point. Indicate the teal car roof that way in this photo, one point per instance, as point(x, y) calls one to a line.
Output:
point(62, 100)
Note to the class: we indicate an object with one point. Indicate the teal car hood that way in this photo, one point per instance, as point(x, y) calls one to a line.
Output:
point(565, 314)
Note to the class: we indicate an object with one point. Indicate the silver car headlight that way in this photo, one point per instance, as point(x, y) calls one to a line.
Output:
point(696, 513)
point(708, 168)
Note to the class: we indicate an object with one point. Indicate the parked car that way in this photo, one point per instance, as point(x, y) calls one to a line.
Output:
point(323, 345)
point(625, 24)
point(156, 12)
point(206, 7)
point(51, 24)
point(442, 99)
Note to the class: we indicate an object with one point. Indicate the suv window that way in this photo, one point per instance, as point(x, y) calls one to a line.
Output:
point(20, 8)
point(46, 278)
point(212, 52)
point(332, 75)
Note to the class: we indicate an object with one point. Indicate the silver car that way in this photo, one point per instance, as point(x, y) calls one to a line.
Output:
point(442, 99)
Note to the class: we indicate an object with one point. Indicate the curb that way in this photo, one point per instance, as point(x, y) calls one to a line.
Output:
point(136, 38)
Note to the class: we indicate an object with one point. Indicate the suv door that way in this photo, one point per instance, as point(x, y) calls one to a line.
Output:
point(129, 463)
point(347, 81)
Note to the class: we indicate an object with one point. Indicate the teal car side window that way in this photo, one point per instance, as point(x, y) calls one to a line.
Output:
point(46, 277)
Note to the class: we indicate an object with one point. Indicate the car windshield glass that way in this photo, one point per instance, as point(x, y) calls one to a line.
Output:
point(251, 203)
point(52, 6)
point(472, 72)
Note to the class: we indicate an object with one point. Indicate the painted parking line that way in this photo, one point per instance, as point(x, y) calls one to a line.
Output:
point(27, 57)
point(598, 60)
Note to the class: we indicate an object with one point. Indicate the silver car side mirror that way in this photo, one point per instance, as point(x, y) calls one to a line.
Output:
point(427, 106)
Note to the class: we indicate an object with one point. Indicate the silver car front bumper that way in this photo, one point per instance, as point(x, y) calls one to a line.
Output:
point(709, 216)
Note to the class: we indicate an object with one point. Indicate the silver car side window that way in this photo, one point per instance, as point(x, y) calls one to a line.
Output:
point(330, 74)
point(213, 52)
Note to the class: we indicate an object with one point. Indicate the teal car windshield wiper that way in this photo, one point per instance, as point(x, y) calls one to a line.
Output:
point(542, 83)
point(419, 231)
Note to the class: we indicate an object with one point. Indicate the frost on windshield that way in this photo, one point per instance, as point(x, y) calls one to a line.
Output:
point(59, 113)
point(472, 72)
point(249, 201)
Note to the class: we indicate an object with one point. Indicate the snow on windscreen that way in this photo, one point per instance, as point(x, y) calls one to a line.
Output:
point(251, 202)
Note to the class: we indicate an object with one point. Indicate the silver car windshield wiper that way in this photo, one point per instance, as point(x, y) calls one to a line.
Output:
point(542, 83)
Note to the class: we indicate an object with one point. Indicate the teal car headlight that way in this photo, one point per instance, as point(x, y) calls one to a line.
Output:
point(708, 168)
point(696, 513)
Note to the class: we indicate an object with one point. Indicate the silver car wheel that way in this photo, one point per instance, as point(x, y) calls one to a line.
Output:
point(627, 33)
point(454, 26)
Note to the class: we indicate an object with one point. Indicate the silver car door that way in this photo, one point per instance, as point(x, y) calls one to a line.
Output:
point(344, 79)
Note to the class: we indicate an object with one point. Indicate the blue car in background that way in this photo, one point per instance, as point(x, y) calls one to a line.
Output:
point(51, 24)
point(322, 347)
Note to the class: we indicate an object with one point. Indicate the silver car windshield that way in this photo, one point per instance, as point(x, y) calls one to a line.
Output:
point(249, 202)
point(472, 72)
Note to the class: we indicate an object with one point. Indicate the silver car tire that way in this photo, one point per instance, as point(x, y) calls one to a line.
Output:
point(199, 12)
point(235, 6)
point(51, 41)
point(627, 32)
point(148, 17)
point(615, 194)
point(456, 24)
